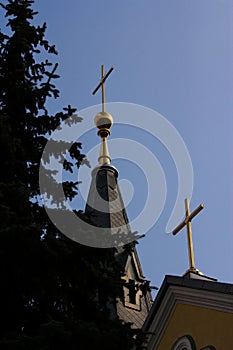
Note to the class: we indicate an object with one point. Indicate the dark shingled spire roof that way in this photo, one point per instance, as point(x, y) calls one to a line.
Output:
point(105, 208)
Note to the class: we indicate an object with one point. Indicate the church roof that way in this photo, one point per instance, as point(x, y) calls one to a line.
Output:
point(190, 289)
point(105, 206)
point(105, 209)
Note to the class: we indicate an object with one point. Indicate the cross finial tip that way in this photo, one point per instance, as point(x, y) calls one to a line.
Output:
point(187, 222)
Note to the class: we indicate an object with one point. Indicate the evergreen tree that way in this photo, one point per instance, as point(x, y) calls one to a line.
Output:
point(54, 292)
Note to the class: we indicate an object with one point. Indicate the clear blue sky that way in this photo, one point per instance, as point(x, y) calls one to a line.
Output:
point(174, 56)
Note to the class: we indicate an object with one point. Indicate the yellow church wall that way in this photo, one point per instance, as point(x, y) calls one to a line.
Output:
point(206, 326)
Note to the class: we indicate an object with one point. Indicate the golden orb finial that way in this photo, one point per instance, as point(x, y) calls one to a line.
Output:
point(103, 121)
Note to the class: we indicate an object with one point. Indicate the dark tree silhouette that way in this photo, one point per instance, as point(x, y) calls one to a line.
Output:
point(54, 293)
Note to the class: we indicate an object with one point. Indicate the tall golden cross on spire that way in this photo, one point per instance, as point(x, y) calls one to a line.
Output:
point(187, 222)
point(101, 84)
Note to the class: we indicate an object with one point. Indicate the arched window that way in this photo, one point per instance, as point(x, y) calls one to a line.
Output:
point(184, 343)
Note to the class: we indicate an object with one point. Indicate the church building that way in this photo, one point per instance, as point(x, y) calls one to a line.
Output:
point(190, 312)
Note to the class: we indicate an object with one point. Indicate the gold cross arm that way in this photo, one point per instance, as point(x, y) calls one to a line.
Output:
point(187, 222)
point(101, 84)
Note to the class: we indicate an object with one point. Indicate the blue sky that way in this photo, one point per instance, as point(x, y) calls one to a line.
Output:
point(175, 57)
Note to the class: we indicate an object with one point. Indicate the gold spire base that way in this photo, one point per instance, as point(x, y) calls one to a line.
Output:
point(103, 133)
point(193, 270)
point(104, 157)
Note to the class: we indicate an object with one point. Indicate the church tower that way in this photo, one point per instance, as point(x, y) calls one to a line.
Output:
point(105, 208)
point(192, 312)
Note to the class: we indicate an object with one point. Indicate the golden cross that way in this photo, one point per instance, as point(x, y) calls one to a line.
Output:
point(187, 222)
point(101, 84)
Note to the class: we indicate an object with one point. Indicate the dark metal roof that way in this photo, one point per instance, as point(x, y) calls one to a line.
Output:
point(105, 206)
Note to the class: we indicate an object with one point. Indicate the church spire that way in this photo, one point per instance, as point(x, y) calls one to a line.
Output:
point(105, 208)
point(105, 205)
